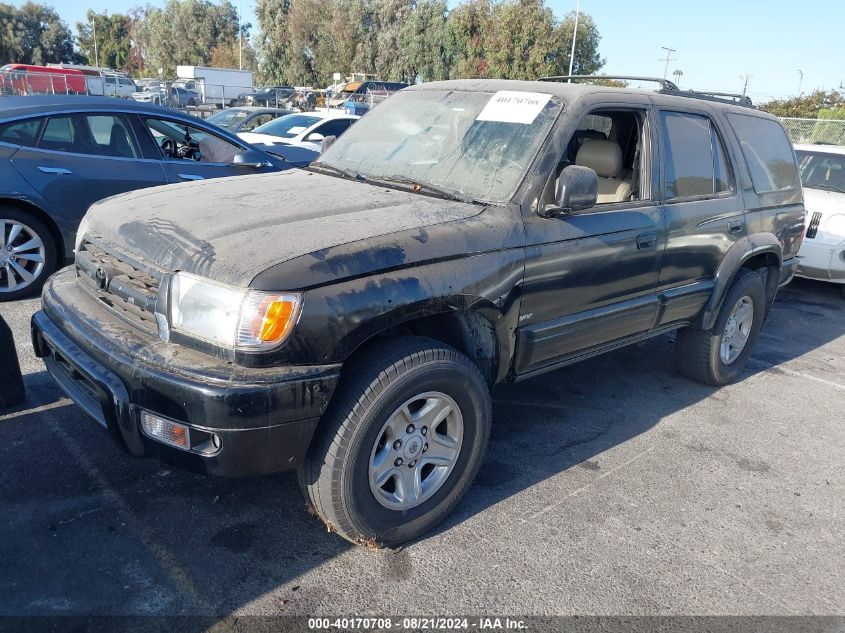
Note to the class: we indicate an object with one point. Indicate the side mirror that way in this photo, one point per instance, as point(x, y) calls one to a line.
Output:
point(576, 189)
point(327, 143)
point(316, 137)
point(250, 158)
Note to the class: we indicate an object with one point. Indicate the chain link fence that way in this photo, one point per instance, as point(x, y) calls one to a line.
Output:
point(822, 131)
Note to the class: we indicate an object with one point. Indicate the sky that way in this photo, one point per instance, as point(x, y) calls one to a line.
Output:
point(717, 42)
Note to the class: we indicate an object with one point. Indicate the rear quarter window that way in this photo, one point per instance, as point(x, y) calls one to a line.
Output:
point(20, 132)
point(767, 152)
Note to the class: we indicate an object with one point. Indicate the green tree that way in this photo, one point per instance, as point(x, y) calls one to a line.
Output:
point(34, 34)
point(806, 106)
point(113, 39)
point(185, 32)
point(273, 40)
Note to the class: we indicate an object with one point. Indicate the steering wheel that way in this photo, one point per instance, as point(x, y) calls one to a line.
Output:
point(168, 147)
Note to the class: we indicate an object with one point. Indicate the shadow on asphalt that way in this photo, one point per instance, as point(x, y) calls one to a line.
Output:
point(219, 544)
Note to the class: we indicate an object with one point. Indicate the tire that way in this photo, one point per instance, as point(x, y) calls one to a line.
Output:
point(700, 354)
point(353, 435)
point(192, 103)
point(28, 274)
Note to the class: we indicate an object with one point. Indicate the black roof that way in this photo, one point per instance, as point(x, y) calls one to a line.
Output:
point(11, 107)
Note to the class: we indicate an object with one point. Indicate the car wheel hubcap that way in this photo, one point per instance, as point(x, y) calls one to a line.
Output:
point(21, 255)
point(737, 330)
point(416, 450)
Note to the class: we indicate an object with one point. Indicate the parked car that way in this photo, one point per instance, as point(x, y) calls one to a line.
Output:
point(350, 319)
point(273, 96)
point(162, 94)
point(119, 86)
point(245, 118)
point(822, 254)
point(64, 153)
point(302, 129)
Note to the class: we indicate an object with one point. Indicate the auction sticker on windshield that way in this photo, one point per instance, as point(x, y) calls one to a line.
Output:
point(514, 107)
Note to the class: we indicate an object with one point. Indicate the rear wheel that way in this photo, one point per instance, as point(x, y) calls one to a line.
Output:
point(400, 444)
point(717, 356)
point(27, 254)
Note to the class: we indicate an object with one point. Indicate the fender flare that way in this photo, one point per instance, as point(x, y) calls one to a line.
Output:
point(742, 251)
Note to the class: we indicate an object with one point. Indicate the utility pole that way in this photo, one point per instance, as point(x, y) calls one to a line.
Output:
point(745, 85)
point(800, 80)
point(96, 55)
point(574, 37)
point(240, 40)
point(668, 59)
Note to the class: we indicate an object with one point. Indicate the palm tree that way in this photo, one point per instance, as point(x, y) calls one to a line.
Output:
point(677, 74)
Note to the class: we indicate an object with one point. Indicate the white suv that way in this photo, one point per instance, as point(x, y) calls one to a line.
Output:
point(119, 86)
point(822, 254)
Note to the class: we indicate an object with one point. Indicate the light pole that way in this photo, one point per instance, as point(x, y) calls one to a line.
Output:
point(574, 37)
point(800, 80)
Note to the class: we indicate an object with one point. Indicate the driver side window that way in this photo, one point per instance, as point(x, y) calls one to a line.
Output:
point(178, 141)
point(611, 143)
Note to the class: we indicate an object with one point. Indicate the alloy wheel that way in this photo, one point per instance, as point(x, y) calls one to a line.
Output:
point(416, 451)
point(737, 330)
point(22, 255)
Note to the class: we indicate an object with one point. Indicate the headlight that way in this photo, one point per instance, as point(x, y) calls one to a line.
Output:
point(231, 317)
point(835, 225)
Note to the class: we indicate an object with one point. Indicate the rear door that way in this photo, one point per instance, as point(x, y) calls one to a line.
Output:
point(702, 208)
point(82, 158)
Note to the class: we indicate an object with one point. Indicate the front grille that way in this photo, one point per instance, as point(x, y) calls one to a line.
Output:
point(129, 291)
point(814, 225)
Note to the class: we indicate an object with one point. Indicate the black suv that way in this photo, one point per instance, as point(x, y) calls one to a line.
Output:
point(349, 320)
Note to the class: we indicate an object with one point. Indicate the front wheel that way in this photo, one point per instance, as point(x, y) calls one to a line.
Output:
point(28, 254)
point(717, 356)
point(401, 442)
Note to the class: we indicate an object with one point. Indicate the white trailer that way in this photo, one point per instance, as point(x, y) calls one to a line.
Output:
point(216, 86)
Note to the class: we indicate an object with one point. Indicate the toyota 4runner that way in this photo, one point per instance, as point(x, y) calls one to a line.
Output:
point(350, 319)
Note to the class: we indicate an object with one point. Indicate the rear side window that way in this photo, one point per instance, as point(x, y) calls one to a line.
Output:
point(694, 159)
point(95, 134)
point(767, 153)
point(20, 132)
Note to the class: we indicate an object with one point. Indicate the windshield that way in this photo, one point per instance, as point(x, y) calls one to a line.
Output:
point(228, 118)
point(475, 144)
point(820, 170)
point(287, 126)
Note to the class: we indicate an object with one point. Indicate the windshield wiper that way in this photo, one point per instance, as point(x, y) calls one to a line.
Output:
point(825, 187)
point(417, 185)
point(335, 170)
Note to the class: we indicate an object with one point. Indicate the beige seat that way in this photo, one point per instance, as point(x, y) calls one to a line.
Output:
point(605, 158)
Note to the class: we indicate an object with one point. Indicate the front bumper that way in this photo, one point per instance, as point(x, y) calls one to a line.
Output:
point(822, 260)
point(264, 418)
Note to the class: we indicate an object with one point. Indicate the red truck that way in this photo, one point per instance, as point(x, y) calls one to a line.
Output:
point(23, 79)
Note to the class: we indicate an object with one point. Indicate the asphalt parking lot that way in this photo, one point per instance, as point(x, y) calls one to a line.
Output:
point(611, 487)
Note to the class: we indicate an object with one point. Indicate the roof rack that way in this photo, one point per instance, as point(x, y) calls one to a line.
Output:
point(667, 88)
point(724, 97)
point(665, 84)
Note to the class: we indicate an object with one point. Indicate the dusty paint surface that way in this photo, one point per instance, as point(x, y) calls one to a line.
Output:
point(231, 229)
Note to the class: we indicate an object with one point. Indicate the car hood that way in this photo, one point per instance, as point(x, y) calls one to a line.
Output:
point(828, 204)
point(232, 229)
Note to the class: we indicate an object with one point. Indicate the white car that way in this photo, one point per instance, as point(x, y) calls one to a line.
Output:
point(822, 254)
point(303, 129)
point(119, 86)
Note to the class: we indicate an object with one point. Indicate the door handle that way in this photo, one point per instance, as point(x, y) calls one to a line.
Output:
point(191, 177)
point(735, 226)
point(646, 240)
point(54, 170)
